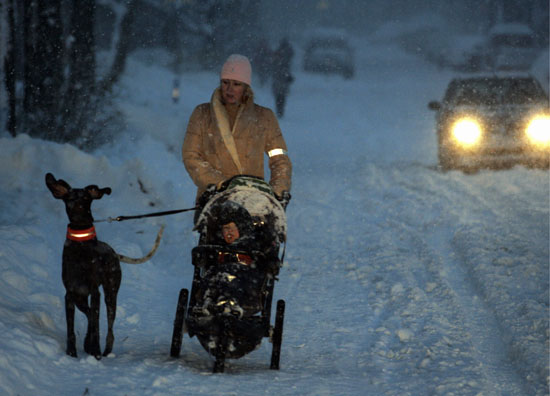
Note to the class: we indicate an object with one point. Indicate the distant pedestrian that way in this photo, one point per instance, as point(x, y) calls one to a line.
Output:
point(176, 90)
point(282, 77)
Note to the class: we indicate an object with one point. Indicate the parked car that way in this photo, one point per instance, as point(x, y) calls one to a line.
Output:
point(512, 46)
point(468, 53)
point(493, 121)
point(328, 51)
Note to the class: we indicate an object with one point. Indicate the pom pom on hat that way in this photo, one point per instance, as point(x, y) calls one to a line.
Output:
point(237, 67)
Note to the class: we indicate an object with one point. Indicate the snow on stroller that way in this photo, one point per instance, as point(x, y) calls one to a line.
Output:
point(229, 307)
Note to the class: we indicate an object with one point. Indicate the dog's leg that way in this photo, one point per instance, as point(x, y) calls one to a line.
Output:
point(111, 283)
point(91, 344)
point(81, 302)
point(69, 314)
point(110, 302)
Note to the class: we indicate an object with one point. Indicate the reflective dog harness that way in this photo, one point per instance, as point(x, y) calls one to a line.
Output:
point(81, 235)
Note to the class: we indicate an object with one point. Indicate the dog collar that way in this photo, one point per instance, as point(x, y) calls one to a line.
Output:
point(81, 235)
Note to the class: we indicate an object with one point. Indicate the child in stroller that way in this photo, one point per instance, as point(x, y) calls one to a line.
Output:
point(233, 281)
point(236, 263)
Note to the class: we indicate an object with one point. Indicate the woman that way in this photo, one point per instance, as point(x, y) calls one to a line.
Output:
point(229, 135)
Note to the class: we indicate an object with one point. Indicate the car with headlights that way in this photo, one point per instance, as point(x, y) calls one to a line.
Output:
point(494, 122)
point(328, 51)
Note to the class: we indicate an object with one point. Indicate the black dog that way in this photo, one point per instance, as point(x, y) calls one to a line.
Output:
point(87, 264)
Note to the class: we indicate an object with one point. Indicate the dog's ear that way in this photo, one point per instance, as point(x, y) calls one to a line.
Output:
point(96, 192)
point(59, 188)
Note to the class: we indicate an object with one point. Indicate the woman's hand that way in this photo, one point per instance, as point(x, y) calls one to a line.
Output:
point(284, 198)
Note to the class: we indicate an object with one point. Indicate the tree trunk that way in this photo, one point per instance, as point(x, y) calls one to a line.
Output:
point(80, 101)
point(122, 48)
point(8, 58)
point(49, 58)
point(30, 77)
point(43, 67)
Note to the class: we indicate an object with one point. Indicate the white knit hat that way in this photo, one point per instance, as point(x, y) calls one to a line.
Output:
point(237, 67)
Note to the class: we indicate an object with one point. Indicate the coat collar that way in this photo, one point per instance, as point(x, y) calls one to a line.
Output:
point(221, 120)
point(246, 109)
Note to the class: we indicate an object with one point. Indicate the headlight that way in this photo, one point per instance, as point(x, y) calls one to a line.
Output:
point(538, 131)
point(467, 132)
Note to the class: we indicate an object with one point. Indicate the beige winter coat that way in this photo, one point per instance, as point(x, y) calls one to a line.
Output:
point(207, 154)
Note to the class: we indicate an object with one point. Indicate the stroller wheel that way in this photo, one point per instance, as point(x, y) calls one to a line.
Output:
point(221, 349)
point(178, 323)
point(278, 335)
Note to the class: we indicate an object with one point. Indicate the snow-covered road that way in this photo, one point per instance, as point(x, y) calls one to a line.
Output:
point(399, 279)
point(440, 258)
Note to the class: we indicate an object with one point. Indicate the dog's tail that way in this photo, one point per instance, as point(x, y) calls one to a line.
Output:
point(131, 260)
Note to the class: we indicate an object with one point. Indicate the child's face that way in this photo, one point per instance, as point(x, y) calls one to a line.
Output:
point(230, 232)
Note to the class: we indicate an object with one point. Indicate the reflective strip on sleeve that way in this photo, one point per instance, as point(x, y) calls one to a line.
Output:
point(274, 152)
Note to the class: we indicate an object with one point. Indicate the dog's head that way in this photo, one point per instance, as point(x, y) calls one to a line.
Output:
point(78, 201)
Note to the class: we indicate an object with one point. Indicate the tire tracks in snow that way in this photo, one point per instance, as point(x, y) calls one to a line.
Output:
point(323, 321)
point(429, 301)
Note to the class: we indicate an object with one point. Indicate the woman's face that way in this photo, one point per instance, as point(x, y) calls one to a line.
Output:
point(232, 91)
point(230, 232)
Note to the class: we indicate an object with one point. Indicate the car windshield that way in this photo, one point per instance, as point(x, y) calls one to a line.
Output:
point(337, 51)
point(495, 91)
point(328, 43)
point(513, 40)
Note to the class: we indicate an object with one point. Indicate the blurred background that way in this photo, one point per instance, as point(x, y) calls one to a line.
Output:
point(207, 31)
point(61, 60)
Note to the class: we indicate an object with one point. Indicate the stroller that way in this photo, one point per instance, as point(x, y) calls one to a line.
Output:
point(229, 307)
